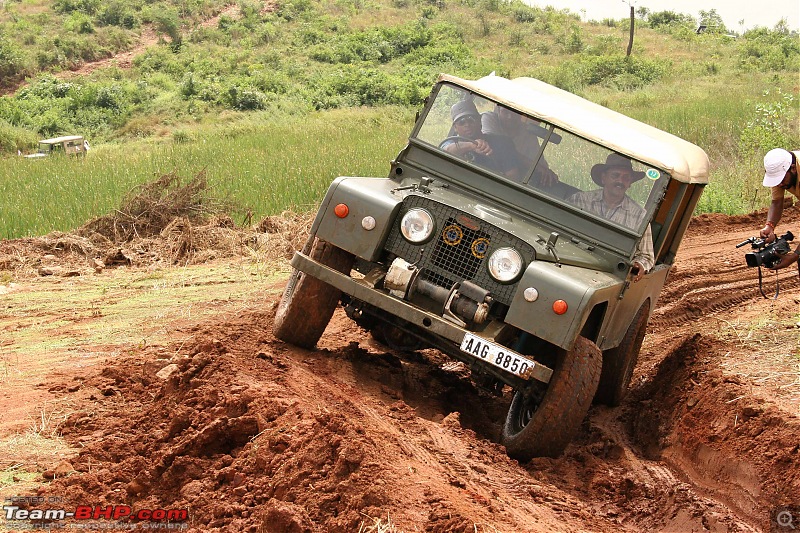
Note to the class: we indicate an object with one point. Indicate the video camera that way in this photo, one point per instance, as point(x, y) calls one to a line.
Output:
point(765, 254)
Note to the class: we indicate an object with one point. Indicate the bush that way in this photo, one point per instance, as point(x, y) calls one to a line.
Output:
point(12, 65)
point(118, 13)
point(773, 125)
point(764, 49)
point(667, 18)
point(79, 23)
point(70, 6)
point(245, 98)
point(621, 72)
point(379, 45)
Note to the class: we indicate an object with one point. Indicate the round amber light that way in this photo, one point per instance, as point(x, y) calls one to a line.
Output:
point(341, 210)
point(559, 307)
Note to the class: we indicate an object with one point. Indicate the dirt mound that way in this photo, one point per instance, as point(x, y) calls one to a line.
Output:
point(249, 436)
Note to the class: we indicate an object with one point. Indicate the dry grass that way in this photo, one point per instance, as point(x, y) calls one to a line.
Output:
point(150, 208)
point(379, 525)
point(165, 221)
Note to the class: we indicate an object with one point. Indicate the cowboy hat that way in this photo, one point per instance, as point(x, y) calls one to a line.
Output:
point(614, 161)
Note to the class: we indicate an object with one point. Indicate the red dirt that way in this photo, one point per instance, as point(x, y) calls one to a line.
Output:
point(251, 434)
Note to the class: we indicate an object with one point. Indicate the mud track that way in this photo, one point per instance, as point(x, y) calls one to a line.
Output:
point(251, 434)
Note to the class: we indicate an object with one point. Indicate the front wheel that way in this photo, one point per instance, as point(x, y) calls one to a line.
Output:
point(308, 303)
point(541, 421)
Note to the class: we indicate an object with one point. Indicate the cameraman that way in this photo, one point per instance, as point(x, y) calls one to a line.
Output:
point(780, 167)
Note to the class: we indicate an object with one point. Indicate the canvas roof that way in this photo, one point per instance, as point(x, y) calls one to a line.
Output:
point(683, 160)
point(65, 138)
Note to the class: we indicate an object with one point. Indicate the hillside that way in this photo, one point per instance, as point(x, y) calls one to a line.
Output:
point(115, 70)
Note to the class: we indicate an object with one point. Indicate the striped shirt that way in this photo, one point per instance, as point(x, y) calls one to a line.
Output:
point(628, 214)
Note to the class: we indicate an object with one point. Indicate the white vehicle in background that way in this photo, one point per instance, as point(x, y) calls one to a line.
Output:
point(66, 145)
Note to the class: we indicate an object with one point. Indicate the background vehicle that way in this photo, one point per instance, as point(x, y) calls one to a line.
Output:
point(68, 144)
point(495, 265)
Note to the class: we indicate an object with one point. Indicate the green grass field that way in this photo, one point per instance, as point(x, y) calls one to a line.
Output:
point(258, 163)
point(274, 104)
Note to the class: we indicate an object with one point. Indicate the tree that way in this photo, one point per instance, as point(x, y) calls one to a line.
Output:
point(712, 21)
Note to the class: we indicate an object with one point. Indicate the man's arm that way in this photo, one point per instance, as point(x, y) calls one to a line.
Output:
point(773, 216)
point(644, 256)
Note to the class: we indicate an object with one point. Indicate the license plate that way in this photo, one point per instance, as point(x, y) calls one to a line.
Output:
point(495, 354)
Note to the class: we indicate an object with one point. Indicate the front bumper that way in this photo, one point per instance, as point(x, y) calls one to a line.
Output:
point(428, 322)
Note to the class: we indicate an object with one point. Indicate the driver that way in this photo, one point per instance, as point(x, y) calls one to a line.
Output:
point(467, 128)
point(473, 145)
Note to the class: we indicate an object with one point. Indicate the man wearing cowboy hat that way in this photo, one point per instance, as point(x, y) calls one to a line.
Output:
point(780, 174)
point(612, 202)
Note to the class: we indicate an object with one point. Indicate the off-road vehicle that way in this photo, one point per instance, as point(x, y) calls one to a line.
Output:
point(491, 257)
point(66, 145)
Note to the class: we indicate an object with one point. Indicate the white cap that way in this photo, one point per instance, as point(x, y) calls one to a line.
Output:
point(776, 163)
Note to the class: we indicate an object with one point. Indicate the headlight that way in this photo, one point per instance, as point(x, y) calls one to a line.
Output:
point(505, 264)
point(416, 225)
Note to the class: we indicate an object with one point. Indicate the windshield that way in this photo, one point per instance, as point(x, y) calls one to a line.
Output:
point(580, 174)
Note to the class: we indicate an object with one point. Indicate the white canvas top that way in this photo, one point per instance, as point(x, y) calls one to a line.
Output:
point(66, 138)
point(683, 160)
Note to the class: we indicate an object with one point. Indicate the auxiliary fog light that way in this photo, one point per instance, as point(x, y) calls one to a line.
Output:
point(531, 294)
point(505, 264)
point(368, 223)
point(416, 225)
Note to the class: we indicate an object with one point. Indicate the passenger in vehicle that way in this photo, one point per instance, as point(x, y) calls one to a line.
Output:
point(612, 202)
point(519, 129)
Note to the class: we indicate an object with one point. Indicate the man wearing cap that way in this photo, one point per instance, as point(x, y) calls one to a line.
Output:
point(469, 142)
point(780, 174)
point(780, 167)
point(612, 202)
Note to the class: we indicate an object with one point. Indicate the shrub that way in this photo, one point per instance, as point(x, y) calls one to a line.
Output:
point(69, 6)
point(12, 65)
point(773, 125)
point(245, 98)
point(524, 13)
point(376, 45)
point(766, 50)
point(667, 18)
point(621, 72)
point(118, 13)
point(79, 23)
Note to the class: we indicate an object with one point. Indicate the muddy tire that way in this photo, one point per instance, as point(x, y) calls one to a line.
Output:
point(395, 338)
point(308, 303)
point(619, 362)
point(543, 423)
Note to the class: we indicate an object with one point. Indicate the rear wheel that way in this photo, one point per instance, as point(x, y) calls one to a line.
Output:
point(619, 362)
point(308, 303)
point(542, 420)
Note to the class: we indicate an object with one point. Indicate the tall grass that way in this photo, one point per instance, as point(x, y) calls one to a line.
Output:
point(263, 163)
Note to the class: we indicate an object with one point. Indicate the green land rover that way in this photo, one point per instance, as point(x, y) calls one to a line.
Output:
point(524, 231)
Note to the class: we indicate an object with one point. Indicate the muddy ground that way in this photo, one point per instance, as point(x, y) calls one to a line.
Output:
point(212, 415)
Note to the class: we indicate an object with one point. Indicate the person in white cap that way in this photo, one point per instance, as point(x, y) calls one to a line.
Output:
point(780, 167)
point(780, 174)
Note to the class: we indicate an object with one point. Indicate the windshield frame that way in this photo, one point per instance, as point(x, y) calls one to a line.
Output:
point(422, 138)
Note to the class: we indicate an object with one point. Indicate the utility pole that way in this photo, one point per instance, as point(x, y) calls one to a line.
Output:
point(630, 38)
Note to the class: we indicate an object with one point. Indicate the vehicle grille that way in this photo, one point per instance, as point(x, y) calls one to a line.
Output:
point(456, 252)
